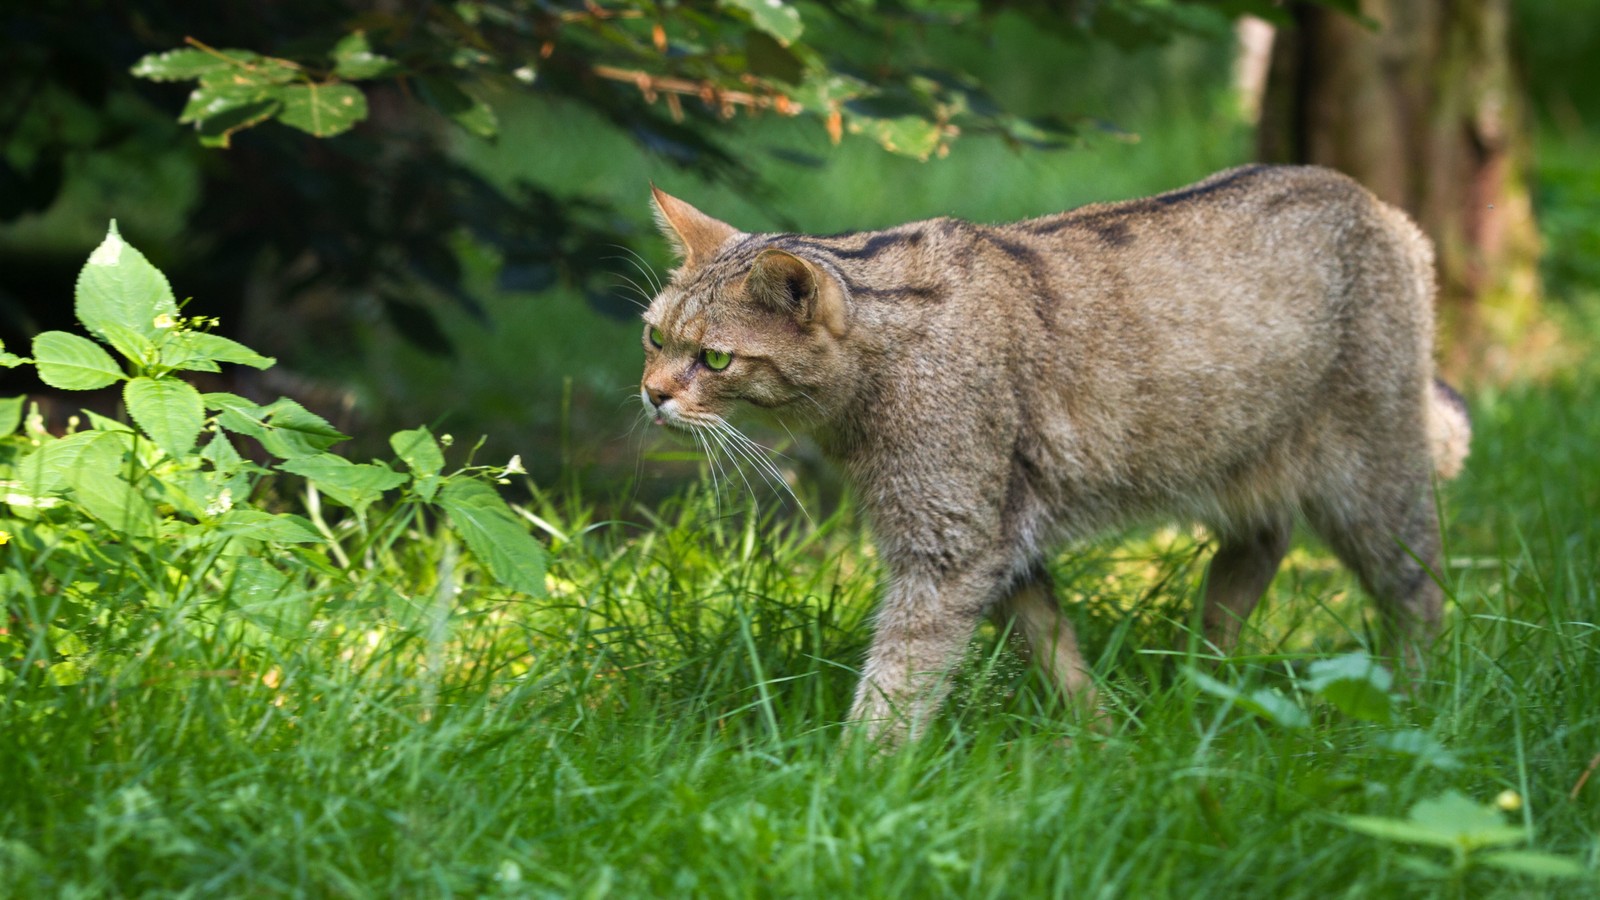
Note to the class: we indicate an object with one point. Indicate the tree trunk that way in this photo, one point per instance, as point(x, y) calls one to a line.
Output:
point(1426, 110)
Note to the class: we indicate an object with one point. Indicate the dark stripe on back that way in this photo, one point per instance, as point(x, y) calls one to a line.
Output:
point(1029, 260)
point(1110, 225)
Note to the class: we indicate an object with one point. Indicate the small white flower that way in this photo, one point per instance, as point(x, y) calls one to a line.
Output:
point(222, 504)
point(514, 467)
point(165, 320)
point(524, 74)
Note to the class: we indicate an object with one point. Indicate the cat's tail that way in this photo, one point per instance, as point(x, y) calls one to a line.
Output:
point(1449, 429)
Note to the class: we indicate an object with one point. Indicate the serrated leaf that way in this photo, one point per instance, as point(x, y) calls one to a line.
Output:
point(322, 109)
point(471, 114)
point(169, 411)
point(353, 59)
point(100, 489)
point(182, 65)
point(1539, 865)
point(73, 363)
point(775, 17)
point(1355, 683)
point(44, 471)
point(10, 414)
point(209, 100)
point(133, 346)
point(494, 535)
point(418, 449)
point(218, 130)
point(260, 525)
point(195, 349)
point(355, 485)
point(221, 453)
point(119, 287)
point(285, 429)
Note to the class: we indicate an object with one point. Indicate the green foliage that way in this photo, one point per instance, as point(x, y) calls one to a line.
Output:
point(117, 523)
point(238, 89)
point(1469, 830)
point(736, 55)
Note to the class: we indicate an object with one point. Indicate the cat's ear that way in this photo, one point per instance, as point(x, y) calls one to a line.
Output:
point(694, 235)
point(788, 284)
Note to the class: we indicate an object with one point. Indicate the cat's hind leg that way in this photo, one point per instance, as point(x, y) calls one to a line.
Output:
point(1245, 561)
point(1033, 613)
point(1387, 531)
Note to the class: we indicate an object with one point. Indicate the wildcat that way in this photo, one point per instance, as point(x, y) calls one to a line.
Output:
point(1238, 352)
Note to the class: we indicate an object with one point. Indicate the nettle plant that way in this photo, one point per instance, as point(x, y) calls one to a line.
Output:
point(114, 516)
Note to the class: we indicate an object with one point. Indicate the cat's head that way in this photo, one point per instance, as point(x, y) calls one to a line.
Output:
point(740, 320)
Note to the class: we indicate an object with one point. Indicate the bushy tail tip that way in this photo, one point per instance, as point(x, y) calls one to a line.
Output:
point(1449, 429)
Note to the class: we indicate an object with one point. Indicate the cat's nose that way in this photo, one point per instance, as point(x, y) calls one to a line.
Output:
point(657, 397)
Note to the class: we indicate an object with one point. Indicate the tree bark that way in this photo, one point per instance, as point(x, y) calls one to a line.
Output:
point(1424, 107)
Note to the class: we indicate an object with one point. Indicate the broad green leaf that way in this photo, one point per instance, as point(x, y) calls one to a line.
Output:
point(471, 114)
point(1470, 824)
point(906, 135)
point(1355, 683)
point(64, 674)
point(1539, 865)
point(211, 100)
point(775, 17)
point(10, 414)
point(221, 453)
point(1424, 747)
point(261, 525)
point(418, 449)
point(494, 535)
point(134, 346)
point(73, 363)
point(355, 485)
point(194, 349)
point(218, 130)
point(353, 59)
point(44, 471)
point(285, 429)
point(114, 502)
point(1400, 831)
point(169, 411)
point(1267, 704)
point(322, 109)
point(183, 65)
point(119, 287)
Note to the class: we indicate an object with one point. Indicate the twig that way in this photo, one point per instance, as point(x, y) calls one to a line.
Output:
point(651, 86)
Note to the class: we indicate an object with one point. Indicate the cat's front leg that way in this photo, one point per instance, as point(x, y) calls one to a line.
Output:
point(922, 630)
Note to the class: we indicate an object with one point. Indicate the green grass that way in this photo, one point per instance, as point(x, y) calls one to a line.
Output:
point(667, 721)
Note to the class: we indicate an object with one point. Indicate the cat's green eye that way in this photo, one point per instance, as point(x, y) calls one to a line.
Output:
point(716, 360)
point(656, 338)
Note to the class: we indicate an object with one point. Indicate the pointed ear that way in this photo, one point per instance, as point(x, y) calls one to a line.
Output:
point(788, 284)
point(694, 235)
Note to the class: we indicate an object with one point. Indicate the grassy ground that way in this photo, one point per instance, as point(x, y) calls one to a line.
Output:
point(666, 723)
